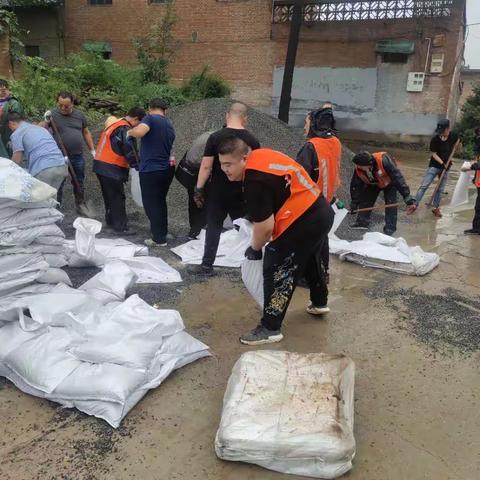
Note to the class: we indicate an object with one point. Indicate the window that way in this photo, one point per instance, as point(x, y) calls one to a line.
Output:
point(32, 50)
point(100, 2)
point(389, 57)
point(104, 49)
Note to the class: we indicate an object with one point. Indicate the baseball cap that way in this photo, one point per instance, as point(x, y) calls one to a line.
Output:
point(442, 125)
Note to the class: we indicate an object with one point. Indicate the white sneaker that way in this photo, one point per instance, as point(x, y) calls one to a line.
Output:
point(312, 310)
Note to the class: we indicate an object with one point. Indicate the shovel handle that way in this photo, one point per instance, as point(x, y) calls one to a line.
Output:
point(379, 207)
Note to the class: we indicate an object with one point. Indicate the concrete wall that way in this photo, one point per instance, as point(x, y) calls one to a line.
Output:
point(42, 27)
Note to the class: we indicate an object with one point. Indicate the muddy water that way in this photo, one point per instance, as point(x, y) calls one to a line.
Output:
point(416, 398)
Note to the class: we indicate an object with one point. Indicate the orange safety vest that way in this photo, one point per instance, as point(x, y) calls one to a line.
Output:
point(303, 190)
point(329, 153)
point(477, 179)
point(104, 151)
point(383, 179)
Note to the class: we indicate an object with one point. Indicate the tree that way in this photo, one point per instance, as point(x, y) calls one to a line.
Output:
point(470, 120)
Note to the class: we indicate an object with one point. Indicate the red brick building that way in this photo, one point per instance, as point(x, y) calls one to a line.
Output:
point(389, 66)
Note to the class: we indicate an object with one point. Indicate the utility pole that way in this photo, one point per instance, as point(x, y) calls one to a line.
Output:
point(286, 95)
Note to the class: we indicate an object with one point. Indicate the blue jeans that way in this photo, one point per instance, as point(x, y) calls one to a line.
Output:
point(427, 180)
point(78, 164)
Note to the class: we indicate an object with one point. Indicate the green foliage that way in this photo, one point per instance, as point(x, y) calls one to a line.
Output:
point(469, 121)
point(156, 49)
point(9, 26)
point(205, 85)
point(89, 77)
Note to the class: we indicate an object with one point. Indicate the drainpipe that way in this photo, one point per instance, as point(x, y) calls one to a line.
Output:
point(428, 54)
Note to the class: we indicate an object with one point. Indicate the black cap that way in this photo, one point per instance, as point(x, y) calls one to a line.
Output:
point(363, 159)
point(442, 125)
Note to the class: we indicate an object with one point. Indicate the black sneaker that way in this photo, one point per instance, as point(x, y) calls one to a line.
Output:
point(358, 226)
point(260, 335)
point(472, 231)
point(203, 270)
point(193, 235)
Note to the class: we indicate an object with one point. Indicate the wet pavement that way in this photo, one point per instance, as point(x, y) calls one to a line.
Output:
point(415, 342)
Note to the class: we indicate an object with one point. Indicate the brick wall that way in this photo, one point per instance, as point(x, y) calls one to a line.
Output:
point(5, 71)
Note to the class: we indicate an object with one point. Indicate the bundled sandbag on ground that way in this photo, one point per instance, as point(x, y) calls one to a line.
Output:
point(290, 412)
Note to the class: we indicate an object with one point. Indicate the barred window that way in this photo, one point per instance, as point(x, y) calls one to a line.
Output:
point(364, 10)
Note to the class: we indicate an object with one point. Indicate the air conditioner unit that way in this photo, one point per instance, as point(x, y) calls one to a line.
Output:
point(437, 63)
point(415, 81)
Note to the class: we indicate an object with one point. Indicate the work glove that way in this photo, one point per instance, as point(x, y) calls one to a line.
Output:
point(199, 197)
point(47, 116)
point(93, 153)
point(251, 254)
point(340, 204)
point(410, 200)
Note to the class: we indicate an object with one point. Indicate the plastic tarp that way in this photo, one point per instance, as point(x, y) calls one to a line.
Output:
point(290, 412)
point(377, 250)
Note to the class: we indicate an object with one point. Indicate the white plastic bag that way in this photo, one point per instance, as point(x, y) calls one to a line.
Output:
point(252, 276)
point(290, 412)
point(460, 194)
point(152, 270)
point(85, 231)
point(135, 188)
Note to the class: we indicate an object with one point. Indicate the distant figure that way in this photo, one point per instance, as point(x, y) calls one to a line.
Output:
point(35, 144)
point(224, 197)
point(115, 154)
point(156, 169)
point(442, 147)
point(73, 131)
point(8, 104)
point(375, 173)
point(187, 175)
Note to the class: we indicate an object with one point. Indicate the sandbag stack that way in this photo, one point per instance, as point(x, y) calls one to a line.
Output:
point(31, 244)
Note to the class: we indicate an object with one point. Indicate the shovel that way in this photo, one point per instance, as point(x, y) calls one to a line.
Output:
point(84, 208)
point(380, 207)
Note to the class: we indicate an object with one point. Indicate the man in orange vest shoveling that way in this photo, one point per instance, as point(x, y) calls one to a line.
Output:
point(290, 219)
point(115, 154)
point(375, 173)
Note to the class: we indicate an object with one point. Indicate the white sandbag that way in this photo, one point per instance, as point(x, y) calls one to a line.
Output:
point(112, 283)
point(460, 194)
point(290, 412)
point(340, 214)
point(152, 270)
point(33, 248)
point(17, 184)
point(21, 263)
point(27, 236)
point(43, 361)
point(252, 277)
point(119, 248)
point(15, 218)
point(377, 250)
point(12, 336)
point(135, 188)
point(56, 261)
point(7, 203)
point(85, 231)
point(54, 275)
point(130, 336)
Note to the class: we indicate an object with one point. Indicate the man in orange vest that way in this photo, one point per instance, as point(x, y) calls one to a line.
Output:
point(291, 219)
point(320, 157)
point(375, 173)
point(115, 154)
point(475, 166)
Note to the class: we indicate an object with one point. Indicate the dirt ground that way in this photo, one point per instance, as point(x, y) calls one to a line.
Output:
point(415, 343)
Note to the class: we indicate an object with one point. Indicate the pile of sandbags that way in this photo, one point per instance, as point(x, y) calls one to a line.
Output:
point(290, 412)
point(89, 348)
point(31, 244)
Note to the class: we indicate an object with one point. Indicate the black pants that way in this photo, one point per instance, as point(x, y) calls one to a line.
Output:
point(368, 199)
point(197, 217)
point(155, 187)
point(219, 205)
point(476, 218)
point(293, 254)
point(113, 193)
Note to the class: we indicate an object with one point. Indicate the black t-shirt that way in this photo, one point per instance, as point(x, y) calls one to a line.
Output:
point(219, 179)
point(264, 194)
point(442, 148)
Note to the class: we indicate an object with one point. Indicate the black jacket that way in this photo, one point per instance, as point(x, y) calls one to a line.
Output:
point(357, 185)
point(121, 145)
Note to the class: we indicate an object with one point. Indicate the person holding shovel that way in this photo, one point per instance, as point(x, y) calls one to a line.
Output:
point(375, 173)
point(70, 130)
point(442, 147)
point(115, 154)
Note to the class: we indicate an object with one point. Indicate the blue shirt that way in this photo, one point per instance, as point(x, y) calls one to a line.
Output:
point(157, 144)
point(38, 147)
